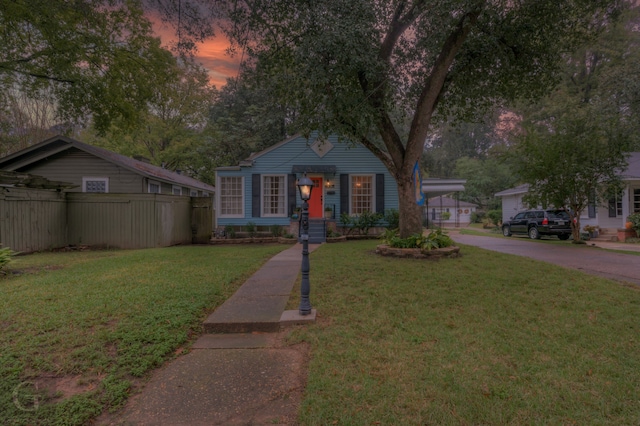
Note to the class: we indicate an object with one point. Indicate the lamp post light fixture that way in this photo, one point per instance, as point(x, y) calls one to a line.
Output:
point(305, 186)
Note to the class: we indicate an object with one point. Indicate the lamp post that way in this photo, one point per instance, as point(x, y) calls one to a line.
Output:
point(305, 185)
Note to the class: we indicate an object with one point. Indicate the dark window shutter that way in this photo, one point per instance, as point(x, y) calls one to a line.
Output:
point(255, 195)
point(380, 193)
point(291, 196)
point(592, 210)
point(344, 193)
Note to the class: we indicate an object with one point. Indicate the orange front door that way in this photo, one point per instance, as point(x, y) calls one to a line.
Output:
point(315, 203)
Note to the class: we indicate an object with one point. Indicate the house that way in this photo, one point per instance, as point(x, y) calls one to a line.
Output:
point(262, 190)
point(607, 214)
point(97, 170)
point(459, 212)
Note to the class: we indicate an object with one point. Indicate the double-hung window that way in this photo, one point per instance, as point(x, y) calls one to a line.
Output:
point(95, 184)
point(274, 194)
point(362, 193)
point(231, 196)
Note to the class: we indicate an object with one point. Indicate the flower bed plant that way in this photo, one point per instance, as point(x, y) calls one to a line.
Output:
point(433, 240)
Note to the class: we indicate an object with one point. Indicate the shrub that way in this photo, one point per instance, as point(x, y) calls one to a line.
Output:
point(347, 223)
point(6, 256)
point(476, 217)
point(445, 215)
point(252, 230)
point(276, 230)
point(366, 220)
point(230, 231)
point(362, 222)
point(635, 222)
point(435, 239)
point(392, 217)
point(495, 216)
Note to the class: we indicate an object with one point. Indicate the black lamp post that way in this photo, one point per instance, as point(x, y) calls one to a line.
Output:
point(305, 185)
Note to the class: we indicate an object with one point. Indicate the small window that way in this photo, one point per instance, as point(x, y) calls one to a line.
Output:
point(95, 184)
point(193, 193)
point(519, 216)
point(176, 190)
point(154, 187)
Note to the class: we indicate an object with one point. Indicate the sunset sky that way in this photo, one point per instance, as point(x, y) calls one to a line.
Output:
point(211, 54)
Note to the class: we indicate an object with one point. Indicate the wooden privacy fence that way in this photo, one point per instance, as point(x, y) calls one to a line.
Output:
point(35, 220)
point(32, 220)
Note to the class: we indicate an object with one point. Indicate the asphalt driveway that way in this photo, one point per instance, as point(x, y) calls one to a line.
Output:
point(589, 259)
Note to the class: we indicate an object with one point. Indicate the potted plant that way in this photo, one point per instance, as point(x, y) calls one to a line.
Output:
point(328, 212)
point(296, 213)
point(593, 230)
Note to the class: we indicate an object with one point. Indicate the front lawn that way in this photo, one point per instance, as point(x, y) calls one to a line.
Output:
point(487, 338)
point(77, 329)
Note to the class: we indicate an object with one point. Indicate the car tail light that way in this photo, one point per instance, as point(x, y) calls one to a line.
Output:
point(545, 221)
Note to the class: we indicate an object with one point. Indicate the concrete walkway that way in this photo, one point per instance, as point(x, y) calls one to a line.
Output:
point(246, 376)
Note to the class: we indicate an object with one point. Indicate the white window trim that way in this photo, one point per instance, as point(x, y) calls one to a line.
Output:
point(153, 182)
point(218, 195)
point(174, 187)
point(262, 213)
point(103, 179)
point(373, 191)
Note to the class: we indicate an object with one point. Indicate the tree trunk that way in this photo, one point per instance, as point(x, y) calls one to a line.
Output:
point(410, 212)
point(575, 226)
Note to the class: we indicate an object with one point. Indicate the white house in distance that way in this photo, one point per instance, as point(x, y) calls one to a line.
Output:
point(607, 214)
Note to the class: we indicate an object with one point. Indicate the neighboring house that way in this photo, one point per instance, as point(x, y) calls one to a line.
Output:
point(607, 214)
point(262, 189)
point(97, 170)
point(512, 201)
point(459, 211)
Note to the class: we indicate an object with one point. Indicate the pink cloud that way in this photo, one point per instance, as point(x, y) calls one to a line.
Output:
point(211, 53)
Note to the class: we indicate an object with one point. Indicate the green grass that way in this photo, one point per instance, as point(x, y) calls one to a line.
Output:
point(487, 338)
point(103, 320)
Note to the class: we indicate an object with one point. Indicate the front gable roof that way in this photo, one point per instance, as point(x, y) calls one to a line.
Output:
point(59, 144)
point(321, 146)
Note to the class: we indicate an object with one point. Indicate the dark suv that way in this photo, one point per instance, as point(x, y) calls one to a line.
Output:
point(536, 223)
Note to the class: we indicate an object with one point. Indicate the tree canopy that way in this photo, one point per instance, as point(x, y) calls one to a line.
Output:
point(97, 56)
point(574, 143)
point(359, 68)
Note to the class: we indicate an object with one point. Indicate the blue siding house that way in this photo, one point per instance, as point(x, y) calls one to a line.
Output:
point(262, 189)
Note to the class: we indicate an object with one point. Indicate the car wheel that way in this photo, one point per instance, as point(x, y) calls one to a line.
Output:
point(533, 233)
point(506, 231)
point(564, 236)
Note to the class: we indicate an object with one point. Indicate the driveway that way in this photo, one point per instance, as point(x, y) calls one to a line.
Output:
point(589, 259)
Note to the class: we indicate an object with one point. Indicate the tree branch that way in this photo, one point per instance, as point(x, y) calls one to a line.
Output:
point(432, 90)
point(380, 154)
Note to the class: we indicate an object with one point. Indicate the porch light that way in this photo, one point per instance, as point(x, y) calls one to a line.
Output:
point(305, 185)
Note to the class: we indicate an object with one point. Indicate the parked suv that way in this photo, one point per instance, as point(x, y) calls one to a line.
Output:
point(536, 223)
